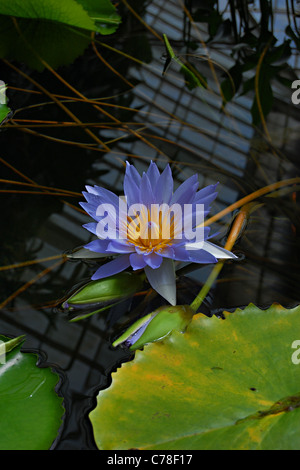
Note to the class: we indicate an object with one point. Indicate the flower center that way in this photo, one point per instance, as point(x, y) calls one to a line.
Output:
point(151, 229)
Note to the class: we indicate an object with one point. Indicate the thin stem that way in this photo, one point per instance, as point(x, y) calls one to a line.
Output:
point(237, 227)
point(32, 281)
point(251, 197)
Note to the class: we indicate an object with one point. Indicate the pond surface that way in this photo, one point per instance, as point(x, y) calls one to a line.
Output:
point(126, 108)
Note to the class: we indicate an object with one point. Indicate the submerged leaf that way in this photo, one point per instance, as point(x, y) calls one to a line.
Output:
point(263, 100)
point(223, 384)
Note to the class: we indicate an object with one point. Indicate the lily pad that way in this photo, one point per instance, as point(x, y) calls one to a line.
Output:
point(223, 384)
point(31, 411)
point(56, 32)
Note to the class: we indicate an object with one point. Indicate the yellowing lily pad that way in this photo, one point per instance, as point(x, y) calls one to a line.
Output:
point(223, 384)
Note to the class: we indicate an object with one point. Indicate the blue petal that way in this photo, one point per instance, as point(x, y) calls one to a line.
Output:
point(153, 174)
point(166, 252)
point(137, 261)
point(193, 223)
point(201, 257)
point(132, 172)
point(111, 268)
point(164, 187)
point(137, 334)
point(205, 192)
point(110, 214)
point(90, 210)
point(98, 246)
point(91, 227)
point(206, 200)
point(132, 182)
point(92, 189)
point(92, 199)
point(147, 197)
point(180, 253)
point(117, 246)
point(163, 280)
point(102, 195)
point(185, 193)
point(153, 260)
point(216, 251)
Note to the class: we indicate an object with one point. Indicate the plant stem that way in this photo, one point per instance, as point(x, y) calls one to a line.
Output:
point(237, 227)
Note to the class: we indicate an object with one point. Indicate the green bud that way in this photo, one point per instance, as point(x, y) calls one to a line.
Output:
point(85, 315)
point(156, 325)
point(85, 254)
point(133, 329)
point(112, 288)
point(8, 344)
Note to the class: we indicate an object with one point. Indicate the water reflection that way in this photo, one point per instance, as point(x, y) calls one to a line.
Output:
point(140, 115)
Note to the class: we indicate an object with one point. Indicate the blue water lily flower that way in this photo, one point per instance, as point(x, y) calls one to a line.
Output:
point(152, 226)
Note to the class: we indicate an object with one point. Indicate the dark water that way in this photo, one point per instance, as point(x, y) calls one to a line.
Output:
point(141, 115)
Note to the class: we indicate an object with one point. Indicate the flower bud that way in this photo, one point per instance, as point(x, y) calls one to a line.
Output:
point(8, 344)
point(104, 291)
point(156, 326)
point(84, 254)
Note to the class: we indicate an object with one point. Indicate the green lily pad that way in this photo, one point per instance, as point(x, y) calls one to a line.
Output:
point(223, 384)
point(103, 14)
point(55, 31)
point(31, 411)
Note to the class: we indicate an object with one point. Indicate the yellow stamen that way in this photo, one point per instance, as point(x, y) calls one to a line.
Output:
point(151, 230)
